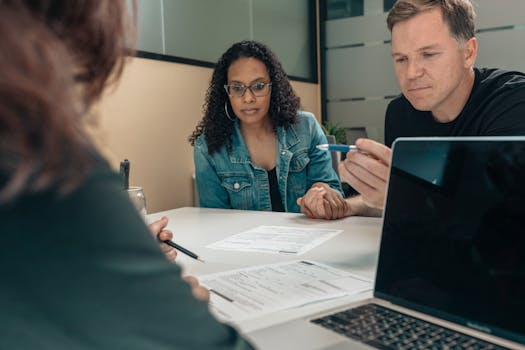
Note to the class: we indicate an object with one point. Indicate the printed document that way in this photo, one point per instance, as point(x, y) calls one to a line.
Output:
point(276, 239)
point(247, 293)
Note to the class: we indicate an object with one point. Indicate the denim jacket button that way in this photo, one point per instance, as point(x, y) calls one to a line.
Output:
point(236, 185)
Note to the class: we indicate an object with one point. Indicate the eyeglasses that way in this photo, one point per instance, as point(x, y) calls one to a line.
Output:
point(257, 89)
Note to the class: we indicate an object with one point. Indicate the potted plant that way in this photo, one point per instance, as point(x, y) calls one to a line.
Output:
point(335, 134)
point(336, 130)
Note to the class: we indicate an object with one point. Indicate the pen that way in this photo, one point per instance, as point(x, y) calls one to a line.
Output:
point(124, 173)
point(340, 148)
point(182, 250)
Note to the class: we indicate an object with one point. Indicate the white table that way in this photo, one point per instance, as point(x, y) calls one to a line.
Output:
point(354, 250)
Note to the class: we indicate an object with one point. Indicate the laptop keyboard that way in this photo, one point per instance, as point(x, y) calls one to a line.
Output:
point(383, 328)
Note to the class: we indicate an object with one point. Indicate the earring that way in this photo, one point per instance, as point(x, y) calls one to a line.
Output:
point(226, 110)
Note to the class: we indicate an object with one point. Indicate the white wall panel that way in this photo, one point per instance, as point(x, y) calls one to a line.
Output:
point(360, 72)
point(356, 30)
point(149, 24)
point(502, 49)
point(288, 25)
point(499, 13)
point(354, 114)
point(372, 7)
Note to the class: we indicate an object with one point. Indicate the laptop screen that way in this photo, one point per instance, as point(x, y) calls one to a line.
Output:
point(453, 241)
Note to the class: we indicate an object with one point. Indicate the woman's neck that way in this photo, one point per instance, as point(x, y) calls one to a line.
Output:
point(256, 130)
point(261, 142)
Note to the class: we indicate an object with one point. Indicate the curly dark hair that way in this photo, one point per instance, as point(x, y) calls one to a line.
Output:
point(215, 125)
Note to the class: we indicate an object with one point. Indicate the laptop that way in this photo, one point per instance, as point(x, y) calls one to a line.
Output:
point(451, 267)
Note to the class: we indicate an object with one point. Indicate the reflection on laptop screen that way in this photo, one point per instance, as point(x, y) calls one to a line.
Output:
point(453, 240)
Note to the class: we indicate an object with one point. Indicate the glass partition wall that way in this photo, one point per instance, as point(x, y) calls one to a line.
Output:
point(199, 31)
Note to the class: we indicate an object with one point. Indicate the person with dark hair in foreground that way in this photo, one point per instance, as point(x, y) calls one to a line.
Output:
point(254, 150)
point(79, 267)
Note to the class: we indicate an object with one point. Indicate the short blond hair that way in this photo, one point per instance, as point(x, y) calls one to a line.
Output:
point(458, 14)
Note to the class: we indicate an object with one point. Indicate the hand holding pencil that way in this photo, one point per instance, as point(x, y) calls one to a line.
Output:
point(169, 247)
point(158, 230)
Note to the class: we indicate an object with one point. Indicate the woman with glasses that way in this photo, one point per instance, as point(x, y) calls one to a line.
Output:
point(254, 149)
point(79, 268)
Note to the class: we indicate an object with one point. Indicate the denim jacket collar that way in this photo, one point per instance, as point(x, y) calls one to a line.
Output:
point(287, 140)
point(239, 154)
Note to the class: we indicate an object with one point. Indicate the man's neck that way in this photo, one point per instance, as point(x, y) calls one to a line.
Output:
point(458, 99)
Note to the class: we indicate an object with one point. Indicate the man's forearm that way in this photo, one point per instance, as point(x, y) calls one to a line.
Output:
point(356, 207)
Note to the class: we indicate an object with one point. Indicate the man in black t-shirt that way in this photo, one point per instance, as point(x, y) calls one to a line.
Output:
point(495, 107)
point(434, 51)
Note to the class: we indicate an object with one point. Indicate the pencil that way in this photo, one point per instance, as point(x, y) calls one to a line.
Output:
point(183, 250)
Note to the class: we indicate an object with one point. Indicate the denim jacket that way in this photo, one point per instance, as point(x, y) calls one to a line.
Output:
point(231, 180)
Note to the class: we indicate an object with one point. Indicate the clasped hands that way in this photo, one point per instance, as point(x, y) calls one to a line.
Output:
point(323, 202)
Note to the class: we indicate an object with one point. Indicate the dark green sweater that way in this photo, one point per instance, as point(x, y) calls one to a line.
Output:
point(83, 272)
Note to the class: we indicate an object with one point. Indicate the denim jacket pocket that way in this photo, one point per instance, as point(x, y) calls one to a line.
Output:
point(297, 175)
point(240, 190)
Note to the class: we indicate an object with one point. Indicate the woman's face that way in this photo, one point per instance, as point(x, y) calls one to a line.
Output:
point(249, 90)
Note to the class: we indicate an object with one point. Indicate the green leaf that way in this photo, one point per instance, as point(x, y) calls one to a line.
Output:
point(334, 129)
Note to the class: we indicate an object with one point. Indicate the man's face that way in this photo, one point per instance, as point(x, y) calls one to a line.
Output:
point(431, 67)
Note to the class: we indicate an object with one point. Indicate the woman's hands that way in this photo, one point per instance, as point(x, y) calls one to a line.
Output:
point(158, 230)
point(199, 292)
point(323, 202)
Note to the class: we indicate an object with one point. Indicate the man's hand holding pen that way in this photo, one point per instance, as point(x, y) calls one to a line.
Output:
point(367, 171)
